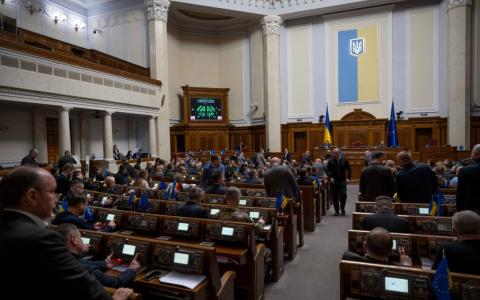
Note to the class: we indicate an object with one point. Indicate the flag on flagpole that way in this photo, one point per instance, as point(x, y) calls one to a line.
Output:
point(392, 129)
point(327, 135)
point(441, 281)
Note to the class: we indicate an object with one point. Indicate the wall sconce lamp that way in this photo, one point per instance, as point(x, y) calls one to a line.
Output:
point(57, 18)
point(253, 107)
point(2, 2)
point(77, 27)
point(32, 9)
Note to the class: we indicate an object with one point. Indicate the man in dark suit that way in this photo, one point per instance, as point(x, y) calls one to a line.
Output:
point(376, 179)
point(76, 246)
point(280, 179)
point(31, 158)
point(66, 159)
point(463, 254)
point(192, 208)
point(218, 186)
point(287, 156)
point(32, 255)
point(338, 169)
point(468, 189)
point(415, 183)
point(385, 218)
point(303, 179)
point(63, 180)
point(378, 248)
point(215, 165)
point(306, 158)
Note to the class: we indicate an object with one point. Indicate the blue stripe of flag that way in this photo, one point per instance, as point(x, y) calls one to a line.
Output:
point(347, 68)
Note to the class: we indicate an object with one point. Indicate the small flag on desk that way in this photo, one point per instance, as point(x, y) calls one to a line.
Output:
point(143, 203)
point(162, 185)
point(88, 215)
point(281, 201)
point(441, 281)
point(436, 204)
point(131, 199)
point(64, 203)
point(316, 182)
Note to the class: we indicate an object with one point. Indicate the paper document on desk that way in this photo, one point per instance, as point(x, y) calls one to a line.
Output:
point(184, 279)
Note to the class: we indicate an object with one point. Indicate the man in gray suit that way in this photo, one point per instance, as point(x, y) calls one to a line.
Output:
point(280, 179)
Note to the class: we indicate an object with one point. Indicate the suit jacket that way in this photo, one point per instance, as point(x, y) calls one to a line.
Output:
point(376, 180)
point(29, 161)
point(63, 184)
point(416, 183)
point(216, 189)
point(348, 255)
point(468, 188)
point(287, 156)
point(36, 263)
point(192, 209)
point(387, 220)
point(98, 269)
point(68, 217)
point(280, 179)
point(462, 256)
point(305, 180)
point(339, 170)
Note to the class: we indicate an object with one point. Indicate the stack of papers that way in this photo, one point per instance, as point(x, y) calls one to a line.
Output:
point(187, 280)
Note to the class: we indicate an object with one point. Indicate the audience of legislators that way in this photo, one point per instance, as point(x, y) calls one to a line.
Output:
point(280, 179)
point(376, 179)
point(192, 208)
point(378, 250)
point(27, 198)
point(468, 189)
point(415, 183)
point(385, 218)
point(463, 254)
point(338, 169)
point(31, 158)
point(232, 200)
point(76, 246)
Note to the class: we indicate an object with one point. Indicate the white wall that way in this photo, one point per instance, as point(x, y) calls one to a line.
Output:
point(17, 140)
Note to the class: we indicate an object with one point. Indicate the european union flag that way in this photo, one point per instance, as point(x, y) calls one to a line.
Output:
point(88, 215)
point(441, 281)
point(392, 129)
point(143, 203)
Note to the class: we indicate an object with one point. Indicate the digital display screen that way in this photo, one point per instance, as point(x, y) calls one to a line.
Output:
point(394, 284)
point(254, 215)
point(423, 211)
point(86, 240)
point(444, 227)
point(183, 226)
point(180, 258)
point(228, 231)
point(88, 195)
point(242, 202)
point(214, 211)
point(155, 185)
point(394, 245)
point(110, 217)
point(104, 199)
point(128, 249)
point(209, 109)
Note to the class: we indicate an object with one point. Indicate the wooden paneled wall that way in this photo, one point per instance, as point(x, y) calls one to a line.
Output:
point(355, 129)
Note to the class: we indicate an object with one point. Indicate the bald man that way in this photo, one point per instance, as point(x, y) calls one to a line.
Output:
point(378, 248)
point(415, 183)
point(32, 255)
point(463, 254)
point(468, 189)
point(385, 218)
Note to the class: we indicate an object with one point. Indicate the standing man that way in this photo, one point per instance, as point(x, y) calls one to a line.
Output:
point(287, 156)
point(376, 179)
point(279, 179)
point(66, 159)
point(31, 158)
point(27, 198)
point(338, 169)
point(468, 187)
point(215, 165)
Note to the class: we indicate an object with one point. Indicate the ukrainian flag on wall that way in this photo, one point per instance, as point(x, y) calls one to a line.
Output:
point(358, 65)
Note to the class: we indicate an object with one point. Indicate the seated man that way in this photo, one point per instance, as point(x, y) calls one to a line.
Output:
point(76, 209)
point(76, 246)
point(385, 218)
point(303, 178)
point(192, 208)
point(252, 177)
point(378, 247)
point(218, 186)
point(463, 254)
point(231, 213)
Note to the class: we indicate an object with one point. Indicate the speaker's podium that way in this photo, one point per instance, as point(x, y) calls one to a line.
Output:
point(205, 123)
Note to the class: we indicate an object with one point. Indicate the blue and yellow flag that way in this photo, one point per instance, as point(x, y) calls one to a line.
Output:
point(327, 135)
point(143, 203)
point(358, 65)
point(88, 215)
point(64, 203)
point(435, 207)
point(281, 201)
point(316, 182)
point(132, 199)
point(441, 281)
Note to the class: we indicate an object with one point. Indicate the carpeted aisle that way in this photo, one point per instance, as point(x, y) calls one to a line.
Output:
point(314, 274)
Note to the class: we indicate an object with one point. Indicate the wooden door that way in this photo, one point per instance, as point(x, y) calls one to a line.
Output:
point(423, 136)
point(52, 139)
point(300, 142)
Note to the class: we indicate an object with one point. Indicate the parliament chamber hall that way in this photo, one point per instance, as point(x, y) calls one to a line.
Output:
point(240, 149)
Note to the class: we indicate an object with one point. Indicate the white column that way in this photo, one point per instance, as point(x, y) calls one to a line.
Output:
point(271, 82)
point(459, 71)
point(132, 136)
point(152, 137)
point(64, 142)
point(84, 134)
point(157, 14)
point(107, 136)
point(40, 135)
